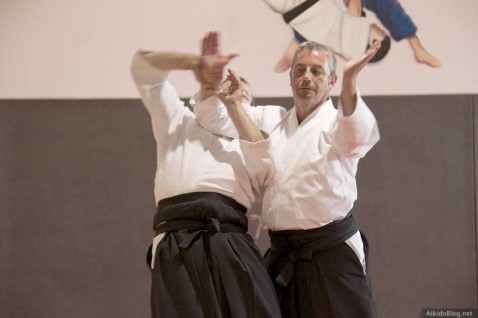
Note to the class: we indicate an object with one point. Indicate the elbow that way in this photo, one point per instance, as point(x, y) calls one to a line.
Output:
point(357, 147)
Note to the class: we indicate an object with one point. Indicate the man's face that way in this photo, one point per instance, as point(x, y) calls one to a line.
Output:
point(310, 77)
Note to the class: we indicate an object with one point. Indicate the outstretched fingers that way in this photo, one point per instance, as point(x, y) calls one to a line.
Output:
point(370, 53)
point(212, 62)
point(355, 65)
point(231, 92)
point(210, 44)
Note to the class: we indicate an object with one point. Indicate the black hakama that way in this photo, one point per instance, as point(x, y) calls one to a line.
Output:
point(207, 265)
point(317, 274)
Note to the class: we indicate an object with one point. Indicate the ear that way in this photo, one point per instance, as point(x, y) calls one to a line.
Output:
point(332, 81)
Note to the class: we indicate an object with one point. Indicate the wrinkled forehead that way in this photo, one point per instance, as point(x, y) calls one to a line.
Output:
point(312, 58)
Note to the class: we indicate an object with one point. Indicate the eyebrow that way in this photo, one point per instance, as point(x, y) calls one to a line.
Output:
point(312, 66)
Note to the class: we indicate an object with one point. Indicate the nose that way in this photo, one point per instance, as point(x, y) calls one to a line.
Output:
point(308, 73)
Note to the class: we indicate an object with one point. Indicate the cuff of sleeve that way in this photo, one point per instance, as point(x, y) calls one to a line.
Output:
point(257, 145)
point(199, 104)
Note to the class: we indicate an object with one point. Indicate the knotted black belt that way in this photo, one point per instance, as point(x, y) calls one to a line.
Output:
point(200, 211)
point(302, 244)
point(192, 222)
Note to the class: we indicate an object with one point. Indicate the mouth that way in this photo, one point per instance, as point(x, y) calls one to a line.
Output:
point(306, 88)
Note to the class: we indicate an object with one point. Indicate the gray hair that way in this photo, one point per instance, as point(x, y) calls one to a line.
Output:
point(312, 46)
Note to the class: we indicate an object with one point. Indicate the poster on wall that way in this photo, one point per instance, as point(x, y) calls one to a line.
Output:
point(57, 49)
point(344, 26)
point(419, 53)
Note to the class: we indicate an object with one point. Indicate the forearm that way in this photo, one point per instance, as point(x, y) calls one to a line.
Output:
point(348, 96)
point(245, 127)
point(352, 68)
point(168, 60)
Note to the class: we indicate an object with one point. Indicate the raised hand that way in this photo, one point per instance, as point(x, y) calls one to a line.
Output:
point(212, 61)
point(352, 68)
point(356, 64)
point(231, 93)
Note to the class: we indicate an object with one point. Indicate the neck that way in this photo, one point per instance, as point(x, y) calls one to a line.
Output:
point(305, 108)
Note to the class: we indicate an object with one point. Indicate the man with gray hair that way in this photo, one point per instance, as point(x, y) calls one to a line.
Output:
point(318, 256)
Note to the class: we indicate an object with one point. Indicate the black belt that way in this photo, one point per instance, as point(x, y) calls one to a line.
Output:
point(296, 11)
point(301, 244)
point(200, 211)
point(187, 197)
point(211, 225)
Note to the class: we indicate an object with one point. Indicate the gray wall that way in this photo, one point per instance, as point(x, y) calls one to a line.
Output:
point(417, 204)
point(76, 206)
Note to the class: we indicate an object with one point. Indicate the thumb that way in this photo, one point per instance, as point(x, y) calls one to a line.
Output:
point(231, 56)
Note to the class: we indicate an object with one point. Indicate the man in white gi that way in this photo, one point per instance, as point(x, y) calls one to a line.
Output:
point(318, 257)
point(206, 265)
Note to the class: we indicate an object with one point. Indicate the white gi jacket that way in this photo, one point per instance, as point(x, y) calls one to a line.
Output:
point(190, 158)
point(315, 164)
